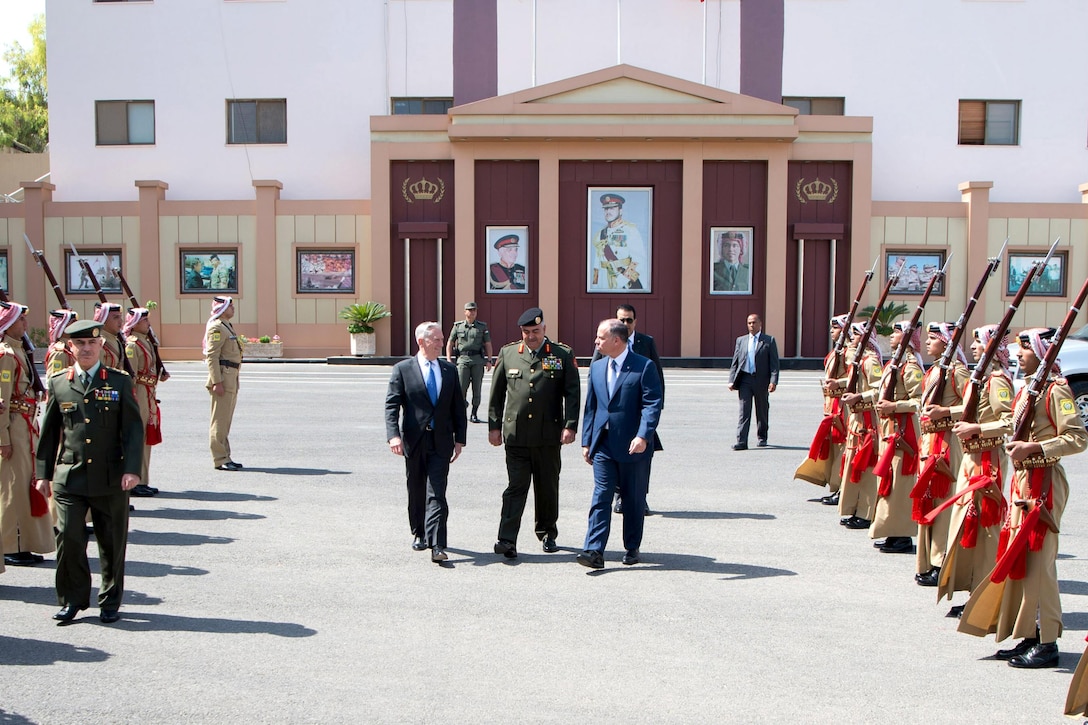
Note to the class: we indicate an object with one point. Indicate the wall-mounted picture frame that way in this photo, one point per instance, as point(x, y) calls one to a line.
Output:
point(619, 230)
point(208, 271)
point(325, 271)
point(507, 260)
point(1049, 283)
point(102, 263)
point(732, 260)
point(919, 266)
point(5, 282)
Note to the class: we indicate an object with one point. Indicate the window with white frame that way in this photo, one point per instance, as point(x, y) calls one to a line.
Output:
point(256, 120)
point(124, 123)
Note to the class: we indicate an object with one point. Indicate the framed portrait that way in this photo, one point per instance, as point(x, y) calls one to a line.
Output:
point(919, 266)
point(507, 260)
point(325, 271)
point(5, 283)
point(619, 224)
point(732, 261)
point(1048, 283)
point(102, 263)
point(208, 271)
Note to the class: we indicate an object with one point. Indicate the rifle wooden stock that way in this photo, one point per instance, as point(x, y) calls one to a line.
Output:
point(44, 264)
point(28, 346)
point(840, 344)
point(160, 368)
point(859, 353)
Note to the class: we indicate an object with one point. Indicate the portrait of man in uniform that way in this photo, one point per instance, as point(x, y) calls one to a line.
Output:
point(731, 260)
point(618, 249)
point(507, 259)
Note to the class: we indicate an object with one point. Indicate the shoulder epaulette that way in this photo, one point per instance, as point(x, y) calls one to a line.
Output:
point(515, 342)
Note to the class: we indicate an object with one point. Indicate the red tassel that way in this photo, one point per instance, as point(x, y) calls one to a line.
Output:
point(1019, 566)
point(1003, 541)
point(39, 505)
point(862, 457)
point(910, 462)
point(970, 530)
point(821, 442)
point(883, 468)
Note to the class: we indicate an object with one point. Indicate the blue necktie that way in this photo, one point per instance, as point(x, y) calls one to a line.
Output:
point(752, 354)
point(612, 379)
point(432, 386)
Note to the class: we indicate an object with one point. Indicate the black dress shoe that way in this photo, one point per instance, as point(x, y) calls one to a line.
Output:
point(506, 548)
point(879, 543)
point(108, 616)
point(236, 465)
point(23, 558)
point(549, 545)
point(631, 557)
point(761, 444)
point(592, 559)
point(740, 446)
point(898, 545)
point(438, 555)
point(1038, 657)
point(68, 612)
point(228, 466)
point(152, 489)
point(418, 544)
point(955, 612)
point(856, 522)
point(142, 491)
point(647, 512)
point(474, 419)
point(930, 579)
point(830, 500)
point(618, 508)
point(1023, 648)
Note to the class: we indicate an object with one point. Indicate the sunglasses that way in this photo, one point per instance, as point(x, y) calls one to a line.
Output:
point(626, 320)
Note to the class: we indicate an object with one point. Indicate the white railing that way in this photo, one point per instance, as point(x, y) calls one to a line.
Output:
point(19, 194)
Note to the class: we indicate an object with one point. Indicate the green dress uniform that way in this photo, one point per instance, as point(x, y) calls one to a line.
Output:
point(469, 339)
point(535, 395)
point(223, 356)
point(90, 437)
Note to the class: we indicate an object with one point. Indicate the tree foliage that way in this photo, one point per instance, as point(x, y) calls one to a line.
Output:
point(24, 98)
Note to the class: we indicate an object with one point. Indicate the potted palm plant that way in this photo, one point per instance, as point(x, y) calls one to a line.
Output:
point(882, 325)
point(361, 318)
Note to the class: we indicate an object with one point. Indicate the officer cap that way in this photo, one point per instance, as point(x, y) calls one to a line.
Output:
point(508, 240)
point(612, 200)
point(84, 329)
point(470, 305)
point(531, 316)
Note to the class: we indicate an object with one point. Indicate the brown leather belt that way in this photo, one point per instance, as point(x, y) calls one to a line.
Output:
point(1037, 462)
point(937, 426)
point(862, 407)
point(148, 380)
point(977, 445)
point(836, 393)
point(230, 364)
point(23, 407)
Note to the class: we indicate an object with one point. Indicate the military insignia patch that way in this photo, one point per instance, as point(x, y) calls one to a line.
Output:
point(1066, 406)
point(215, 336)
point(1004, 394)
point(915, 375)
point(130, 351)
point(5, 376)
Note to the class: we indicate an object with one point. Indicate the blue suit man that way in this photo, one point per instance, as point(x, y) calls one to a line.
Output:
point(623, 406)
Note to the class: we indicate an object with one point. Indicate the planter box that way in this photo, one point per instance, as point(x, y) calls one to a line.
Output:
point(263, 349)
point(363, 343)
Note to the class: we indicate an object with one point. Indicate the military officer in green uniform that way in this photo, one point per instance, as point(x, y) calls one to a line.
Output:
point(90, 454)
point(471, 340)
point(535, 396)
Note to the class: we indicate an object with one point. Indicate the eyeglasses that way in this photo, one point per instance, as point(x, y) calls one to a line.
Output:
point(627, 320)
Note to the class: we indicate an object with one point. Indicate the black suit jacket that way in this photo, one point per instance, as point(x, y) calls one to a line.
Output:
point(643, 345)
point(407, 394)
point(766, 359)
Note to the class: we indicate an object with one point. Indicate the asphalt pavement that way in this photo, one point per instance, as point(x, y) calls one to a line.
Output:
point(289, 592)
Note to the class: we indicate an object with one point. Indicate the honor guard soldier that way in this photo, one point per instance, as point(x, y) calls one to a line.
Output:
point(507, 274)
point(471, 341)
point(535, 394)
point(223, 356)
point(58, 357)
point(90, 454)
point(144, 359)
point(113, 351)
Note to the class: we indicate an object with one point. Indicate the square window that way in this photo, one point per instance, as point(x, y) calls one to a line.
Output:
point(989, 123)
point(816, 106)
point(123, 123)
point(256, 121)
point(417, 106)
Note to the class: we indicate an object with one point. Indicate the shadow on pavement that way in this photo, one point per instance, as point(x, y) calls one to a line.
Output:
point(1069, 586)
point(296, 471)
point(150, 538)
point(194, 515)
point(688, 562)
point(157, 569)
point(713, 515)
point(13, 718)
point(214, 496)
point(23, 652)
point(147, 622)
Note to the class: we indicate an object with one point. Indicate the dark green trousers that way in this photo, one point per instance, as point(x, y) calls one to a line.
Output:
point(109, 515)
point(539, 465)
point(471, 370)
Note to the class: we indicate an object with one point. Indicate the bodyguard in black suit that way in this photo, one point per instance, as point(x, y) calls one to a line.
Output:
point(90, 453)
point(429, 434)
point(754, 375)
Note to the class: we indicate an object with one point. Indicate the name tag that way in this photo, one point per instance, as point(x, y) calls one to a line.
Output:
point(513, 373)
point(67, 407)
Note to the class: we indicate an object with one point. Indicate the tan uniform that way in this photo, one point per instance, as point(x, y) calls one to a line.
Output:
point(141, 355)
point(57, 358)
point(944, 445)
point(224, 360)
point(857, 495)
point(22, 530)
point(822, 465)
point(893, 506)
point(976, 518)
point(112, 352)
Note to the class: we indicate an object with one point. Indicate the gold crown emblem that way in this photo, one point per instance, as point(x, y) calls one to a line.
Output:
point(423, 190)
point(816, 190)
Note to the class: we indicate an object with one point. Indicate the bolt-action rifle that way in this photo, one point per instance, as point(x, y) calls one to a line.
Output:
point(867, 333)
point(159, 367)
point(86, 267)
point(28, 346)
point(44, 264)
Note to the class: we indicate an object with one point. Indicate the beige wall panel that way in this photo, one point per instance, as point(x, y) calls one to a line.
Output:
point(130, 229)
point(936, 311)
point(1018, 230)
point(895, 230)
point(1039, 232)
point(915, 232)
point(168, 233)
point(876, 232)
point(191, 312)
point(73, 230)
point(247, 231)
point(4, 230)
point(285, 230)
point(325, 229)
point(169, 304)
point(306, 311)
point(957, 230)
point(92, 230)
point(327, 309)
point(228, 230)
point(345, 229)
point(937, 230)
point(304, 228)
point(1056, 311)
point(188, 229)
point(1060, 228)
point(363, 235)
point(207, 229)
point(286, 303)
point(54, 231)
point(112, 231)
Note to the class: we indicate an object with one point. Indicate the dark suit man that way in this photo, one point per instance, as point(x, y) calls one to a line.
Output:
point(425, 422)
point(535, 392)
point(623, 405)
point(640, 345)
point(754, 375)
point(90, 452)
